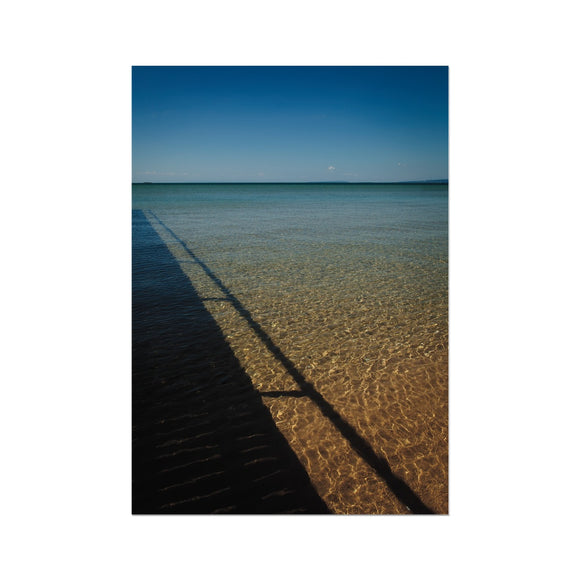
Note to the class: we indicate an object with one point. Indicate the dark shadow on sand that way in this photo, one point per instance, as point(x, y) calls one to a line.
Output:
point(203, 441)
point(379, 464)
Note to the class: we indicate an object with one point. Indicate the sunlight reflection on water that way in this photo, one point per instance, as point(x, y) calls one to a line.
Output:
point(350, 283)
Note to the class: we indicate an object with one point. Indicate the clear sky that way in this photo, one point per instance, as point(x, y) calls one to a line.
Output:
point(290, 124)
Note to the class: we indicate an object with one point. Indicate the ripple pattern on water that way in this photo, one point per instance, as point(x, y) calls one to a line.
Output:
point(359, 310)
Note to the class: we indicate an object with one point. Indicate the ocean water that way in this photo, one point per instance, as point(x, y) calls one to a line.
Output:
point(329, 302)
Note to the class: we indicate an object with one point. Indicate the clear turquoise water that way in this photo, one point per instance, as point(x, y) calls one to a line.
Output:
point(349, 281)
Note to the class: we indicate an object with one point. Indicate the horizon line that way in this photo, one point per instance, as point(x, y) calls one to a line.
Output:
point(416, 181)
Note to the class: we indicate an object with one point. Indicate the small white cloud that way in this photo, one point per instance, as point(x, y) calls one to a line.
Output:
point(331, 168)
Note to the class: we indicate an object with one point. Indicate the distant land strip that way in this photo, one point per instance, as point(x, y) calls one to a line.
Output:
point(420, 182)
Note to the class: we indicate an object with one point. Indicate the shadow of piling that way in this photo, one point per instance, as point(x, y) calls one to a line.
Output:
point(203, 441)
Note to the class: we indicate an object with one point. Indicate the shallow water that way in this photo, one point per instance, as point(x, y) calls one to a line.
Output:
point(333, 298)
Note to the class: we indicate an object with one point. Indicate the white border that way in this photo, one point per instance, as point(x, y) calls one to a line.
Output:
point(514, 314)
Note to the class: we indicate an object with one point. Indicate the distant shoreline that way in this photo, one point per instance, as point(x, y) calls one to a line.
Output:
point(425, 182)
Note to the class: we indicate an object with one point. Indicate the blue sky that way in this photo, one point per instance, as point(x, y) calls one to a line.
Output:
point(289, 124)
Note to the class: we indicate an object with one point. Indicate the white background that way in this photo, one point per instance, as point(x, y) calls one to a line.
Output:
point(66, 328)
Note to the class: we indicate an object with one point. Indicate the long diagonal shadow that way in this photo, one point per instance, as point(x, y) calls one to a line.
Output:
point(379, 464)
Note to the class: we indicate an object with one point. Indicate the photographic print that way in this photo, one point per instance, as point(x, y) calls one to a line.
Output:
point(290, 290)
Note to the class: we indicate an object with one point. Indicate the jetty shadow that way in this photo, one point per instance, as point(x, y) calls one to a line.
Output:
point(379, 464)
point(203, 441)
